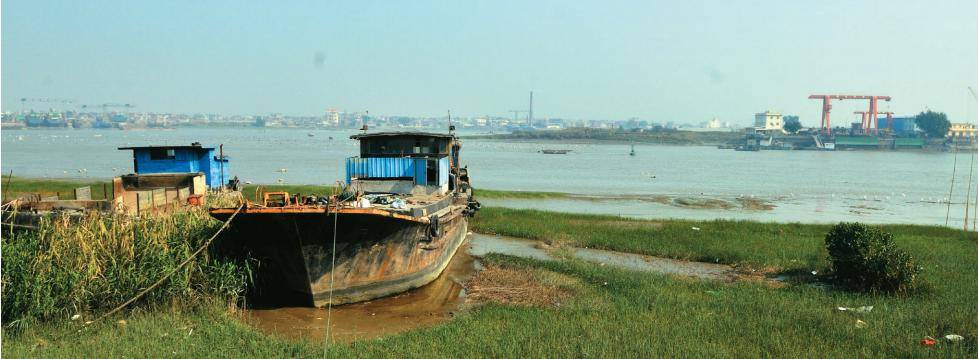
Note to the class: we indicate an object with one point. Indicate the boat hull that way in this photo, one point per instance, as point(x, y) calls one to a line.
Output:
point(291, 254)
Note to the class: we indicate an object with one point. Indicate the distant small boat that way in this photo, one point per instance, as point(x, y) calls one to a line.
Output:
point(554, 152)
point(633, 151)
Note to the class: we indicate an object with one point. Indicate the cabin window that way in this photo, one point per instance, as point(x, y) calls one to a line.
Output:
point(162, 154)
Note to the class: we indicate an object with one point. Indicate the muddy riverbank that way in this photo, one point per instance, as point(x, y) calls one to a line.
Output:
point(445, 297)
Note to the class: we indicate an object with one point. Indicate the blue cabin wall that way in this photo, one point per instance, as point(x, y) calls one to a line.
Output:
point(396, 167)
point(185, 160)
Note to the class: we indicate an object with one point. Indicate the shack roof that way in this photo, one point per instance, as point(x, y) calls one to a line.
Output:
point(402, 134)
point(194, 146)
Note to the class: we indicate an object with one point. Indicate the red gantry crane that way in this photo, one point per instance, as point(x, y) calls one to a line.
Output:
point(827, 107)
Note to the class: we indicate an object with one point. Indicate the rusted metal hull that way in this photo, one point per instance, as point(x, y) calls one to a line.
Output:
point(376, 255)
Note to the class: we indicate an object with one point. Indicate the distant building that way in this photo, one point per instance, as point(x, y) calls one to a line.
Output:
point(903, 125)
point(769, 121)
point(963, 131)
point(714, 123)
point(332, 117)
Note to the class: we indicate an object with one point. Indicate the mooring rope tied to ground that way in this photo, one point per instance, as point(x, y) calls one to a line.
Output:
point(168, 275)
point(332, 271)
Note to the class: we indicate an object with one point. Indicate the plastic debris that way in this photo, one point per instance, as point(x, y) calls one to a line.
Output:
point(860, 324)
point(863, 309)
point(814, 272)
point(76, 317)
point(928, 342)
point(695, 228)
point(398, 204)
point(954, 337)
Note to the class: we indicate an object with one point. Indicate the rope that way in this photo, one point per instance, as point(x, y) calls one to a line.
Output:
point(168, 275)
point(14, 225)
point(332, 274)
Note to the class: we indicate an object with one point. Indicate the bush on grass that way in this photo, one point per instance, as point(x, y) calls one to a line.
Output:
point(865, 258)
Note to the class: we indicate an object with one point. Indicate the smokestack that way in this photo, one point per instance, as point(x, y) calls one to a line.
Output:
point(529, 118)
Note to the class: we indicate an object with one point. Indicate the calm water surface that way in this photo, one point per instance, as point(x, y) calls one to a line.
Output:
point(806, 186)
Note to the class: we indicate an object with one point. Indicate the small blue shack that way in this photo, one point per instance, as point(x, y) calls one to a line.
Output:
point(181, 159)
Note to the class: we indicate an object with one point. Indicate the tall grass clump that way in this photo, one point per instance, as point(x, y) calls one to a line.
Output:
point(865, 258)
point(91, 264)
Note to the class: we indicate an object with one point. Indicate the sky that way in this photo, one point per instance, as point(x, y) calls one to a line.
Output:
point(682, 61)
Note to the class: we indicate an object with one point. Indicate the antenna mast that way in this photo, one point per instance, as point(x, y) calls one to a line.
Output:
point(451, 127)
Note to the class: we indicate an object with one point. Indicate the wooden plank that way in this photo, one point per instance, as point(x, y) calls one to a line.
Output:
point(183, 194)
point(83, 193)
point(159, 197)
point(144, 200)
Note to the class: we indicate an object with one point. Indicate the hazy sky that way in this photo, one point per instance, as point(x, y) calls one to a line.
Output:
point(684, 61)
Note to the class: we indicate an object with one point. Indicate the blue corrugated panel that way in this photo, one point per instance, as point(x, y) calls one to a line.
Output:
point(379, 167)
point(396, 167)
point(420, 171)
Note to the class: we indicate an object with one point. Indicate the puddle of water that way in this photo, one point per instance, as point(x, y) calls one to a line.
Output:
point(484, 244)
point(425, 306)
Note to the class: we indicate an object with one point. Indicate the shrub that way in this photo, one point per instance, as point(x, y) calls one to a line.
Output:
point(865, 258)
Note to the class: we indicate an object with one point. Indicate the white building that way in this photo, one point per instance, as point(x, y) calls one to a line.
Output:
point(768, 121)
point(714, 123)
point(332, 117)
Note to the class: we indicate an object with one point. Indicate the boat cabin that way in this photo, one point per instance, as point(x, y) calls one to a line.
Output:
point(149, 160)
point(417, 163)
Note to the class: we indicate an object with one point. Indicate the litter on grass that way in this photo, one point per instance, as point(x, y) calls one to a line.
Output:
point(953, 337)
point(863, 309)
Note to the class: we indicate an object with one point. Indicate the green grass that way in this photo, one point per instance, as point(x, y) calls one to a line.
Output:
point(620, 314)
point(791, 246)
point(65, 188)
point(633, 315)
point(500, 194)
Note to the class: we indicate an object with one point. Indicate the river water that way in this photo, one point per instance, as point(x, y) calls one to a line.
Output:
point(804, 186)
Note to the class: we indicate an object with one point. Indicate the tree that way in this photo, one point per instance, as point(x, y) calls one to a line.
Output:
point(792, 124)
point(934, 124)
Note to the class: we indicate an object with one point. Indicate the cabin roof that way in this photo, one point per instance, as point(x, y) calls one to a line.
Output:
point(402, 134)
point(195, 146)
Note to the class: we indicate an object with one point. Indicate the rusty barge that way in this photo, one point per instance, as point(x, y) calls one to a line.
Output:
point(396, 225)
